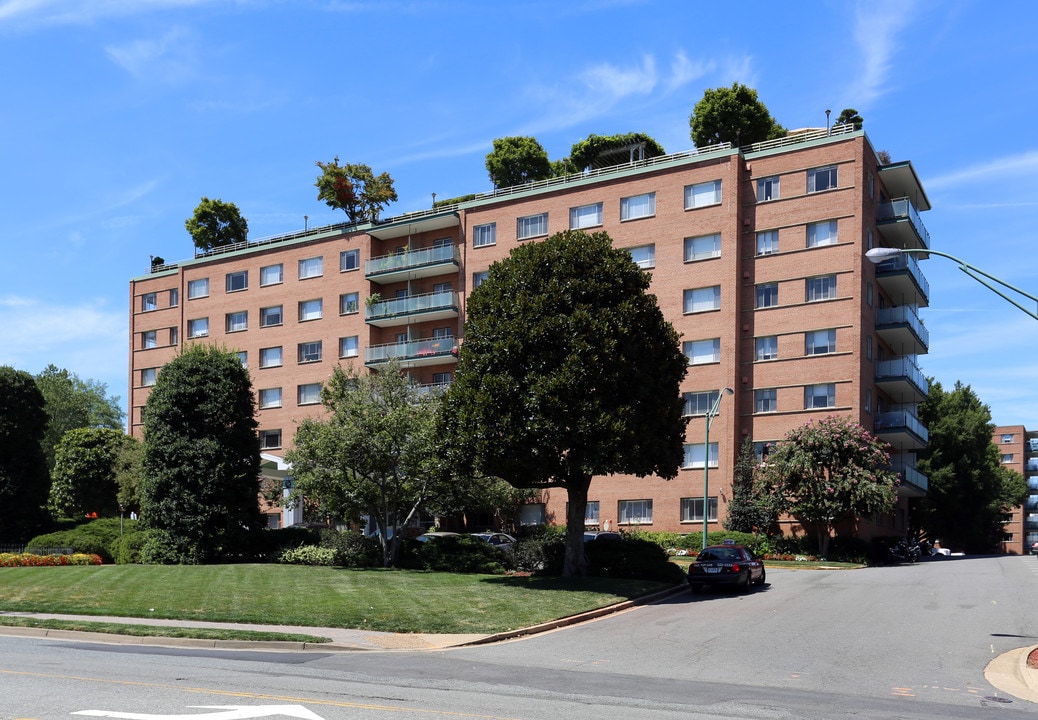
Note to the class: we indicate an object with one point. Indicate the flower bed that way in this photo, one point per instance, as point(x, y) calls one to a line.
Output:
point(30, 560)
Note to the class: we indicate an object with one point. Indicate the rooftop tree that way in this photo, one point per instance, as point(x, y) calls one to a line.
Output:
point(734, 115)
point(216, 223)
point(355, 189)
point(607, 150)
point(516, 161)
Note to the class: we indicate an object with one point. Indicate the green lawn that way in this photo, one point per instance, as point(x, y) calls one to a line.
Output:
point(388, 600)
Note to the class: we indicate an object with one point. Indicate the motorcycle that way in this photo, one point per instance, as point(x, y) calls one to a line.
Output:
point(904, 551)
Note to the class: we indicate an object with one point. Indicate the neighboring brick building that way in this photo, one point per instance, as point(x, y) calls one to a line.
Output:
point(757, 257)
point(1018, 448)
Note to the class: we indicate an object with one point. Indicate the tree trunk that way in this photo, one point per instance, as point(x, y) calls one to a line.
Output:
point(575, 564)
point(824, 533)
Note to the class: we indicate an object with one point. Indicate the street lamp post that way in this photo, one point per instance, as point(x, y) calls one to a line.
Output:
point(992, 283)
point(710, 415)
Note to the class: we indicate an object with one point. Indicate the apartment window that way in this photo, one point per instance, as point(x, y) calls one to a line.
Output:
point(765, 400)
point(441, 378)
point(701, 352)
point(644, 256)
point(243, 358)
point(174, 335)
point(585, 216)
point(820, 179)
point(197, 288)
point(310, 310)
point(1007, 458)
point(270, 439)
point(310, 352)
point(638, 206)
point(819, 396)
point(444, 287)
point(868, 294)
point(270, 357)
point(309, 394)
point(174, 297)
point(349, 260)
point(702, 194)
point(238, 281)
point(768, 188)
point(822, 287)
point(272, 275)
point(695, 455)
point(149, 302)
point(822, 233)
point(767, 242)
point(311, 267)
point(692, 509)
point(349, 303)
point(703, 299)
point(148, 376)
point(237, 321)
point(199, 327)
point(591, 513)
point(634, 512)
point(531, 226)
point(766, 347)
point(767, 295)
point(702, 248)
point(868, 347)
point(700, 403)
point(270, 316)
point(149, 339)
point(349, 346)
point(1008, 438)
point(868, 400)
point(820, 342)
point(484, 235)
point(269, 398)
point(479, 277)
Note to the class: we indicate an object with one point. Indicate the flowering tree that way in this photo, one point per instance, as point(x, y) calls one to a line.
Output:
point(829, 470)
point(354, 189)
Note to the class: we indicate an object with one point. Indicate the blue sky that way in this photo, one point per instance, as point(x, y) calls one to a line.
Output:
point(118, 115)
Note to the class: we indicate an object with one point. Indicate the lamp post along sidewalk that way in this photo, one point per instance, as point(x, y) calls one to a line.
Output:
point(710, 415)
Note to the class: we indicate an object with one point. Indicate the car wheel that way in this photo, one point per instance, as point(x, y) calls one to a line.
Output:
point(763, 576)
point(744, 586)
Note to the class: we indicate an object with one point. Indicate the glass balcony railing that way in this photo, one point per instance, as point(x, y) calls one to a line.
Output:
point(905, 262)
point(903, 316)
point(1032, 464)
point(1032, 445)
point(429, 349)
point(903, 367)
point(411, 305)
point(411, 259)
point(901, 420)
point(901, 210)
point(910, 476)
point(1032, 482)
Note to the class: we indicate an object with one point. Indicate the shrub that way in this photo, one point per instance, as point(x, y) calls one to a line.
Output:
point(632, 557)
point(449, 554)
point(308, 555)
point(542, 551)
point(127, 550)
point(352, 548)
point(98, 537)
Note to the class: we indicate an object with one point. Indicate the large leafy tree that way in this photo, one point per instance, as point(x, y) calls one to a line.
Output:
point(827, 471)
point(216, 223)
point(850, 116)
point(85, 477)
point(74, 403)
point(24, 480)
point(568, 370)
point(517, 160)
point(969, 490)
point(606, 150)
point(735, 115)
point(200, 463)
point(355, 189)
point(749, 510)
point(374, 453)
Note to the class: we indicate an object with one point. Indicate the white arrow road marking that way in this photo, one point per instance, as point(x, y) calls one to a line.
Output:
point(227, 712)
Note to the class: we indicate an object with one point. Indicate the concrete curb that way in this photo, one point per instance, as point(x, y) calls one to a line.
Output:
point(1009, 673)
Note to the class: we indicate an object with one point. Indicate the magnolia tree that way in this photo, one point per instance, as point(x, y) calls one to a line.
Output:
point(827, 471)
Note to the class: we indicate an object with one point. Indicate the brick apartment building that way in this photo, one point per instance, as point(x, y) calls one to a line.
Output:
point(757, 256)
point(1018, 448)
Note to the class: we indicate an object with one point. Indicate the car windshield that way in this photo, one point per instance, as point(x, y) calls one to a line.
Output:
point(723, 554)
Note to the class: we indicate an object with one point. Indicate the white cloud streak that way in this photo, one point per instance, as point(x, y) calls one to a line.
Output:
point(34, 13)
point(1022, 164)
point(876, 26)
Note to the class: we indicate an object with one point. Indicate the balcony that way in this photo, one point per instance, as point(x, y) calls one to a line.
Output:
point(901, 277)
point(913, 482)
point(902, 329)
point(1032, 482)
point(415, 308)
point(899, 223)
point(412, 264)
point(1032, 464)
point(902, 429)
point(1032, 445)
point(902, 379)
point(430, 389)
point(414, 353)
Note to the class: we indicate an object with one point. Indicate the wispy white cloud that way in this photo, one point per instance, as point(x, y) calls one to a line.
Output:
point(1023, 163)
point(34, 13)
point(684, 71)
point(876, 26)
point(169, 58)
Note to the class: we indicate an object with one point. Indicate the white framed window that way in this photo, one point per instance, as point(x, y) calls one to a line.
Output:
point(484, 235)
point(310, 310)
point(702, 352)
point(823, 178)
point(638, 206)
point(271, 316)
point(703, 194)
point(309, 352)
point(821, 342)
point(349, 303)
point(699, 403)
point(767, 242)
point(479, 277)
point(174, 335)
point(149, 302)
point(198, 327)
point(822, 395)
point(765, 400)
point(703, 247)
point(531, 226)
point(822, 287)
point(1006, 458)
point(1008, 438)
point(269, 398)
point(311, 267)
point(695, 456)
point(237, 321)
point(272, 275)
point(768, 188)
point(644, 256)
point(309, 394)
point(634, 512)
point(197, 288)
point(585, 216)
point(270, 357)
point(174, 297)
point(702, 299)
point(237, 281)
point(243, 358)
point(692, 509)
point(767, 295)
point(766, 347)
point(349, 346)
point(149, 339)
point(349, 260)
point(148, 376)
point(822, 233)
point(591, 513)
point(270, 439)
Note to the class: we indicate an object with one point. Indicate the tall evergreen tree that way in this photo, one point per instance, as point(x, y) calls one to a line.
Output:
point(24, 480)
point(749, 509)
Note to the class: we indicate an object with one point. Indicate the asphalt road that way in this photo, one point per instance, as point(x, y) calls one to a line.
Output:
point(902, 642)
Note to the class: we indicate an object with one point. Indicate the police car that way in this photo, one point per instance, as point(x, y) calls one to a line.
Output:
point(726, 564)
